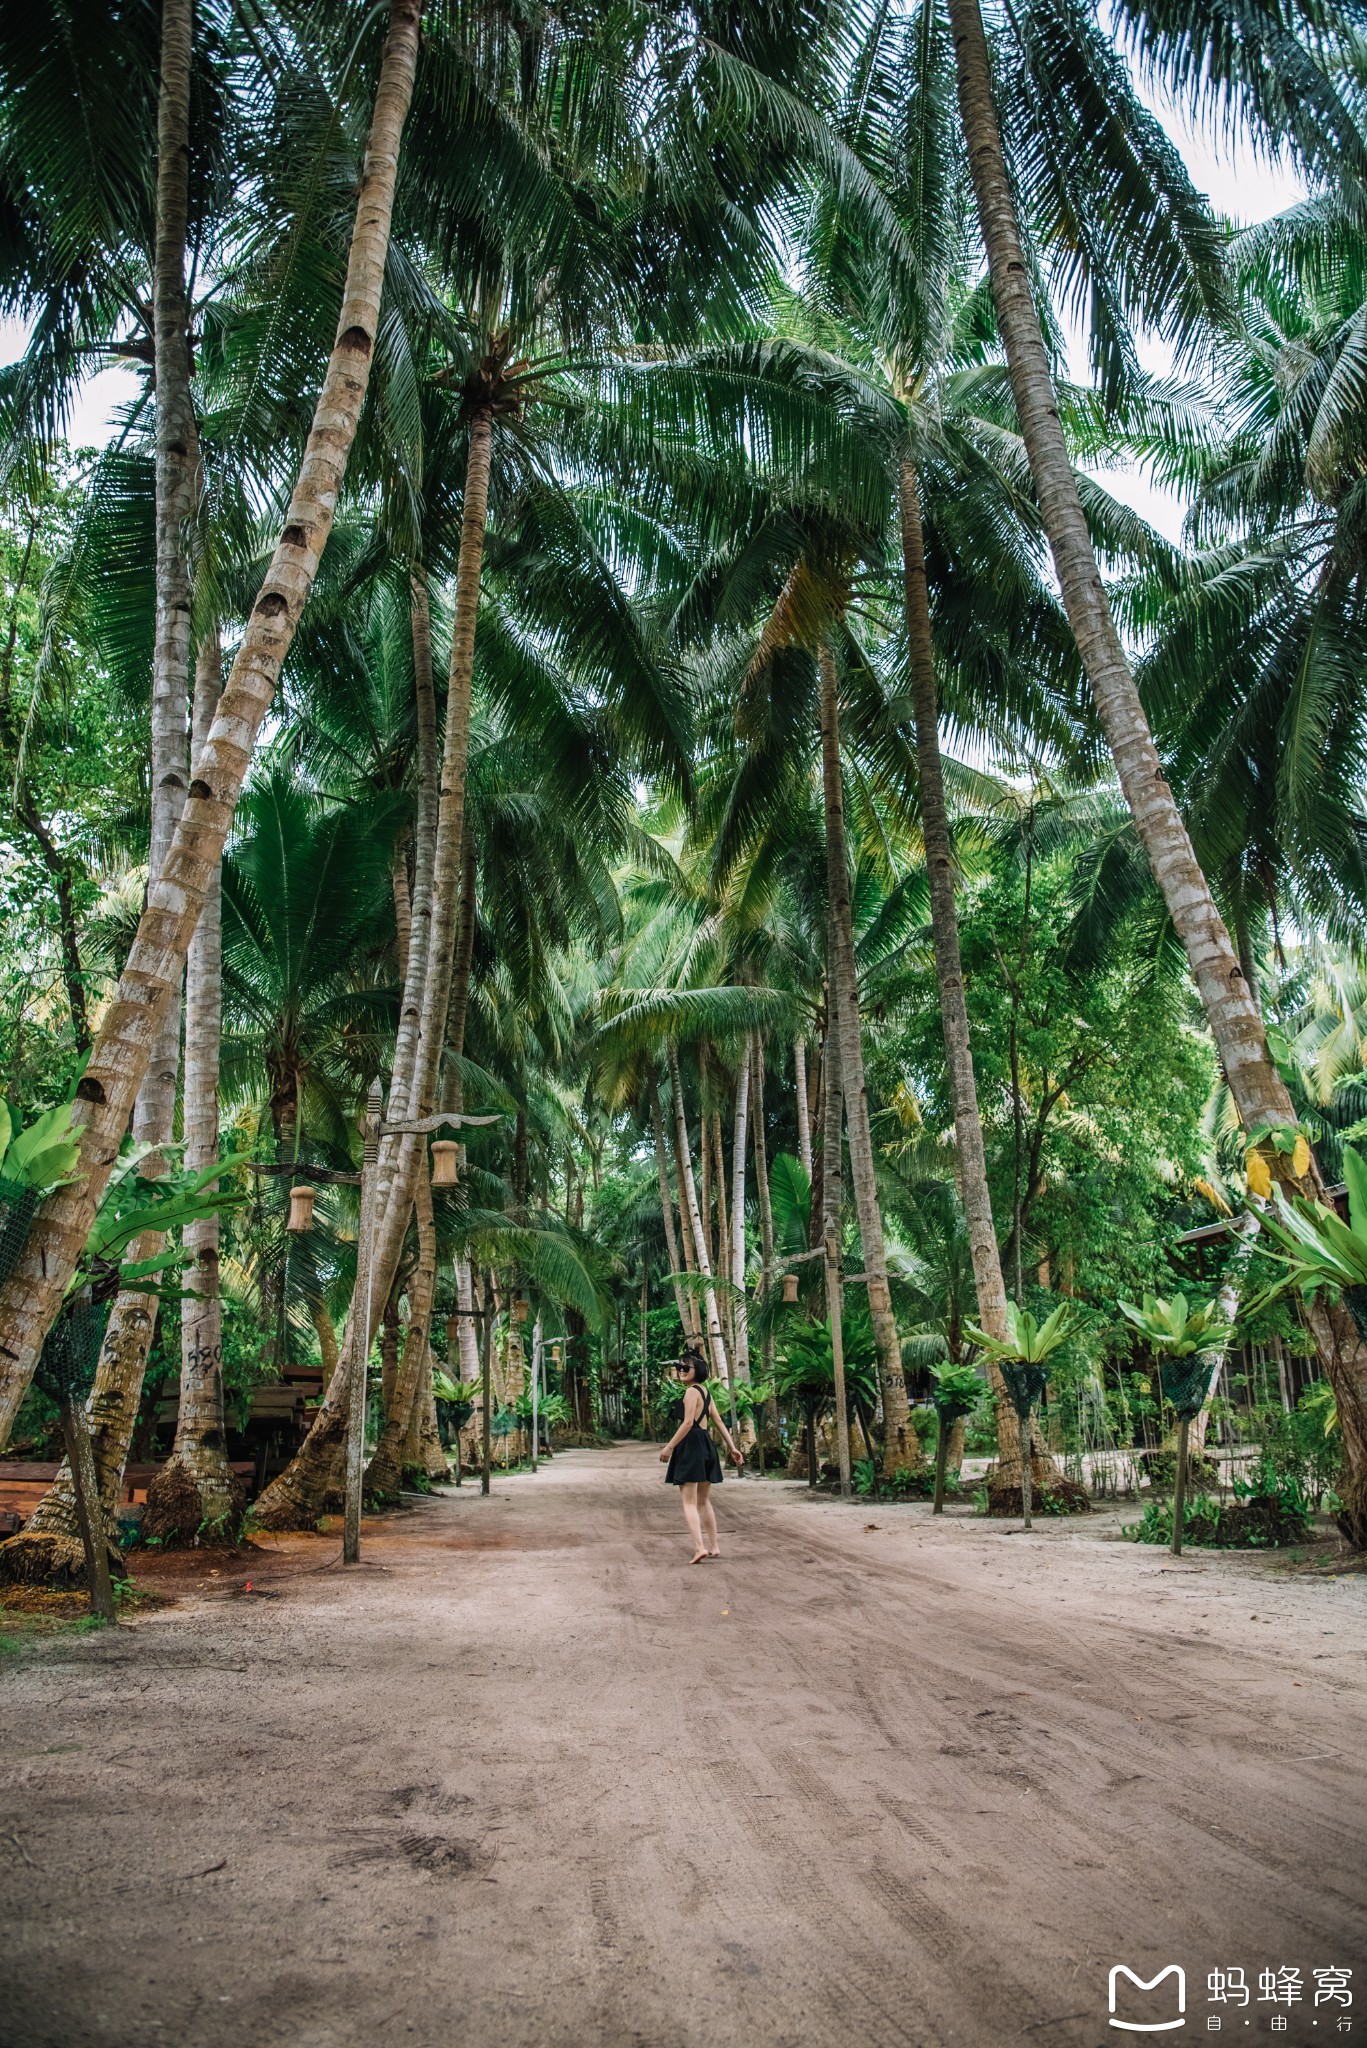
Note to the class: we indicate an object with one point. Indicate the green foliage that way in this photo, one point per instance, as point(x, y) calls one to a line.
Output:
point(1028, 1341)
point(804, 1369)
point(1175, 1330)
point(41, 1155)
point(1269, 1511)
point(957, 1391)
point(1320, 1252)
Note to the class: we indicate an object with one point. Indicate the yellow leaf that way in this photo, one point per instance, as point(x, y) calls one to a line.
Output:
point(1258, 1172)
point(1300, 1159)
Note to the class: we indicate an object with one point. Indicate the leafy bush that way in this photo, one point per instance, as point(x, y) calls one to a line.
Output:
point(1268, 1512)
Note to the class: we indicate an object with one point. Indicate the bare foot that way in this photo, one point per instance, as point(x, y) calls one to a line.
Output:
point(714, 1553)
point(701, 1558)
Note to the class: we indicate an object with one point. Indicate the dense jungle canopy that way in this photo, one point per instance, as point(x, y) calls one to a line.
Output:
point(604, 610)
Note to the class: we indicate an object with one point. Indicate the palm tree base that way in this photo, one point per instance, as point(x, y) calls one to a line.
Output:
point(50, 1558)
point(1350, 1518)
point(312, 1481)
point(1051, 1493)
point(203, 1509)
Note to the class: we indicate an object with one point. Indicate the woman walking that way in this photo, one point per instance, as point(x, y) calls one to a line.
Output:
point(691, 1457)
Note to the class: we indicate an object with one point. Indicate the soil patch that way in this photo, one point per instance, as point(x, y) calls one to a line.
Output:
point(873, 1777)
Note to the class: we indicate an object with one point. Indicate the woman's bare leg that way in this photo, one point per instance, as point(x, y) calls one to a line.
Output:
point(689, 1495)
point(707, 1515)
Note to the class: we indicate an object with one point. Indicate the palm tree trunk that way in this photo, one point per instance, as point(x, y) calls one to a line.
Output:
point(901, 1446)
point(739, 1135)
point(151, 977)
point(1232, 1013)
point(766, 1233)
point(467, 1342)
point(458, 1004)
point(294, 1499)
point(177, 471)
point(384, 1475)
point(804, 1121)
point(196, 1486)
point(667, 1212)
point(831, 1198)
point(688, 1192)
point(977, 1199)
point(132, 1320)
point(723, 1259)
point(989, 1285)
point(693, 1328)
point(327, 1339)
point(706, 1255)
point(415, 942)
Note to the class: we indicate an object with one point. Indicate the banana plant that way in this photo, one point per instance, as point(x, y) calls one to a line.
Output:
point(1023, 1356)
point(1174, 1330)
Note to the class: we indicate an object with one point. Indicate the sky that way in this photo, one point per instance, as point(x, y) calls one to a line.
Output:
point(1239, 185)
point(1236, 182)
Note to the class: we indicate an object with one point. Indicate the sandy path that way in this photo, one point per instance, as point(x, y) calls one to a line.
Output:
point(511, 1784)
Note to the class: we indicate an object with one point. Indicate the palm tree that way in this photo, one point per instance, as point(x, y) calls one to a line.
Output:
point(1233, 1017)
point(124, 1044)
point(195, 1489)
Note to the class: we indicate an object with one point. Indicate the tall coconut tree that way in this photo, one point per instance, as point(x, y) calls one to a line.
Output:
point(1236, 1024)
point(1234, 1021)
point(124, 1044)
point(195, 1488)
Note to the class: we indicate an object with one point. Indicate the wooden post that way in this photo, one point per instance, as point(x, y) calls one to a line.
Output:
point(1027, 1476)
point(1179, 1491)
point(486, 1344)
point(536, 1387)
point(360, 1359)
point(835, 1310)
point(85, 1489)
point(941, 1461)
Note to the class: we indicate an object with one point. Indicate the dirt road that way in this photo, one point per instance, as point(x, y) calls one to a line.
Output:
point(526, 1778)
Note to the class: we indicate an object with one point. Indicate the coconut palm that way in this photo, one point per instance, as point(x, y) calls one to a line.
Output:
point(123, 1047)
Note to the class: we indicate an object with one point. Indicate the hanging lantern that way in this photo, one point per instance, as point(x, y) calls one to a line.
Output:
point(555, 1354)
point(444, 1152)
point(521, 1306)
point(453, 1336)
point(790, 1287)
point(301, 1210)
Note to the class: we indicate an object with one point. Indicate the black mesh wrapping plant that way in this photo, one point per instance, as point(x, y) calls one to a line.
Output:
point(71, 1350)
point(1355, 1301)
point(18, 1206)
point(1185, 1381)
point(1024, 1383)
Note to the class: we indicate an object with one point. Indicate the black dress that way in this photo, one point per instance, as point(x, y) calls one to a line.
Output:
point(695, 1458)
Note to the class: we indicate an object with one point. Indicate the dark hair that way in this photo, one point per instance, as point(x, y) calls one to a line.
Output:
point(696, 1365)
